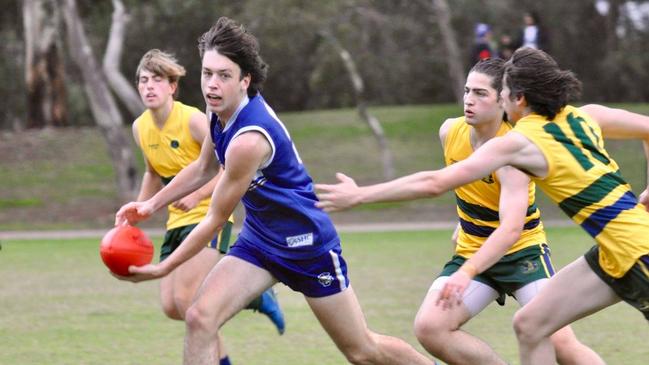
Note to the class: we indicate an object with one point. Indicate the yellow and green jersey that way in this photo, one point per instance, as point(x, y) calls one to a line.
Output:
point(169, 150)
point(478, 202)
point(586, 184)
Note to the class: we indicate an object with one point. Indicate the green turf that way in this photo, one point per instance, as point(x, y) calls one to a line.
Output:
point(63, 178)
point(58, 305)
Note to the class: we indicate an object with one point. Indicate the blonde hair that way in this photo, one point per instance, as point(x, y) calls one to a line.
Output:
point(162, 64)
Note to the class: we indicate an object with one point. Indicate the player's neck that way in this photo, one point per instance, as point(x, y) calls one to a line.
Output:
point(161, 114)
point(481, 133)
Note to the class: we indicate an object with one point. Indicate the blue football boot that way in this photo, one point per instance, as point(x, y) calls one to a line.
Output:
point(270, 307)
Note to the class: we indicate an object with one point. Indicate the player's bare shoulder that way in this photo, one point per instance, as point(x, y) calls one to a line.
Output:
point(444, 129)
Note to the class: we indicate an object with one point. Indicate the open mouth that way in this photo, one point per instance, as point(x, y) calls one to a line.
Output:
point(213, 97)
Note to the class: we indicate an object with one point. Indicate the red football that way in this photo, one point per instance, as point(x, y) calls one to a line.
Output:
point(124, 246)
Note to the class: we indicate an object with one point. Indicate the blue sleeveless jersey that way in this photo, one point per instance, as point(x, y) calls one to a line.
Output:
point(281, 216)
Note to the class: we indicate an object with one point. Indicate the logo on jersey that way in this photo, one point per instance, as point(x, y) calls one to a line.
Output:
point(488, 179)
point(154, 146)
point(529, 267)
point(301, 240)
point(174, 143)
point(325, 279)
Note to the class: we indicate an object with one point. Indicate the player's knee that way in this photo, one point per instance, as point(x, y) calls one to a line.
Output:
point(198, 320)
point(566, 345)
point(430, 330)
point(181, 304)
point(525, 326)
point(362, 352)
point(359, 356)
point(170, 310)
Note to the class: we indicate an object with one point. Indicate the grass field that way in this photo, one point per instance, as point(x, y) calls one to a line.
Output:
point(58, 305)
point(63, 179)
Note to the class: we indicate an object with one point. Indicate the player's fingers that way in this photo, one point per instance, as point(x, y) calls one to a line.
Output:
point(343, 178)
point(324, 196)
point(322, 187)
point(443, 295)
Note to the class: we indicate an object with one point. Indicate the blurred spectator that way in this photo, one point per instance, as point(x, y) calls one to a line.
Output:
point(533, 34)
point(482, 47)
point(506, 47)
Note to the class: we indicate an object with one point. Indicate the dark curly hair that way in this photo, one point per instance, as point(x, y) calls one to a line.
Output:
point(494, 68)
point(233, 41)
point(535, 74)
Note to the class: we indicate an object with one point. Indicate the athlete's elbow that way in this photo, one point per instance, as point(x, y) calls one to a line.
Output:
point(433, 186)
point(513, 233)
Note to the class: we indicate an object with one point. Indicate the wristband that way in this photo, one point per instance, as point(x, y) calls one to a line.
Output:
point(469, 269)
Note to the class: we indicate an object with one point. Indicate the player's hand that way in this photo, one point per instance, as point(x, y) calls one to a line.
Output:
point(132, 213)
point(341, 196)
point(142, 273)
point(187, 203)
point(644, 198)
point(451, 293)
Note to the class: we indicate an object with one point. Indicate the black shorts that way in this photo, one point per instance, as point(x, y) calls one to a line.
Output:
point(174, 237)
point(633, 287)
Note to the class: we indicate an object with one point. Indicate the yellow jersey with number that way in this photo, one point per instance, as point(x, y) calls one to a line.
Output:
point(586, 184)
point(478, 202)
point(168, 150)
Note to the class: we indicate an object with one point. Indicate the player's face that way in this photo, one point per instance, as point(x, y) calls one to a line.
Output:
point(481, 104)
point(155, 90)
point(512, 108)
point(222, 84)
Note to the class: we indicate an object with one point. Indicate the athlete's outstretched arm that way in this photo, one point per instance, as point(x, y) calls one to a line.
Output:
point(623, 124)
point(199, 129)
point(245, 155)
point(514, 197)
point(498, 152)
point(192, 177)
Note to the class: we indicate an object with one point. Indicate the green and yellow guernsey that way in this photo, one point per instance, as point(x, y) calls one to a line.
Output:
point(169, 150)
point(477, 202)
point(586, 184)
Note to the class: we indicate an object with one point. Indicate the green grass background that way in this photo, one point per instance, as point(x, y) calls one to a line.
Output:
point(63, 178)
point(59, 305)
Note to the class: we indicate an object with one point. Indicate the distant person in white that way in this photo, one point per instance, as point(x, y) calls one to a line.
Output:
point(533, 35)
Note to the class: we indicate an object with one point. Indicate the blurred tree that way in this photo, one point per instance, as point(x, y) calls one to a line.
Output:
point(359, 90)
point(453, 58)
point(102, 104)
point(12, 67)
point(44, 76)
point(124, 89)
point(403, 50)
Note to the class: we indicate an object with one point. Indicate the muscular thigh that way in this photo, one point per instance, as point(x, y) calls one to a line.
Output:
point(477, 296)
point(341, 316)
point(180, 285)
point(574, 292)
point(230, 286)
point(189, 276)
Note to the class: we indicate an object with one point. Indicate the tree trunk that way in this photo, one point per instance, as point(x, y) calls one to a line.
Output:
point(357, 83)
point(102, 104)
point(453, 56)
point(44, 73)
point(118, 83)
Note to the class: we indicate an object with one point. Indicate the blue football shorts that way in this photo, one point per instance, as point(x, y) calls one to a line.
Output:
point(320, 276)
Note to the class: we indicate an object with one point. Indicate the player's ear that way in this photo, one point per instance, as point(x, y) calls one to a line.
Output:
point(520, 100)
point(245, 81)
